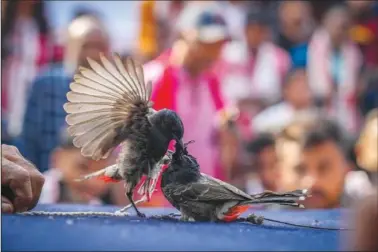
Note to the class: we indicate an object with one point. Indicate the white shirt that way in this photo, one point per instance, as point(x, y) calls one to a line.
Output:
point(276, 117)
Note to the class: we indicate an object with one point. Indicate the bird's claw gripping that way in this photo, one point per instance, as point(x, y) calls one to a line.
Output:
point(141, 215)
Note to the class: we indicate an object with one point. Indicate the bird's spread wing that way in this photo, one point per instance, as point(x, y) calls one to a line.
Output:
point(101, 103)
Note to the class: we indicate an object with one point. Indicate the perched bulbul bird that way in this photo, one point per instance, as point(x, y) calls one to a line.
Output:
point(109, 105)
point(200, 197)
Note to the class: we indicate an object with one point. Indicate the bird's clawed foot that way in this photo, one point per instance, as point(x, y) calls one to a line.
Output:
point(254, 219)
point(141, 215)
point(170, 216)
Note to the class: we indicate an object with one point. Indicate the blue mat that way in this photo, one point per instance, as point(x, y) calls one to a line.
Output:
point(41, 233)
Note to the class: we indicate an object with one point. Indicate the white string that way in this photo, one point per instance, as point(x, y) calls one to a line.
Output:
point(74, 214)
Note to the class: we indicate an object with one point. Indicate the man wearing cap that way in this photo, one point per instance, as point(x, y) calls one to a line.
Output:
point(182, 81)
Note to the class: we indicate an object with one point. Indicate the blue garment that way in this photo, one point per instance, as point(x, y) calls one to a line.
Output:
point(44, 117)
point(336, 67)
point(298, 55)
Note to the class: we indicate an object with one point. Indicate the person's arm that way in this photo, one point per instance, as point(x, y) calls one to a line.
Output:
point(29, 142)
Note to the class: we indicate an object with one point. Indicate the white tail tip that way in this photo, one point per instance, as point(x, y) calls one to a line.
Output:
point(302, 198)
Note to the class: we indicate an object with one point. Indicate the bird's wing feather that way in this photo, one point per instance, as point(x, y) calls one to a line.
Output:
point(201, 191)
point(229, 187)
point(101, 103)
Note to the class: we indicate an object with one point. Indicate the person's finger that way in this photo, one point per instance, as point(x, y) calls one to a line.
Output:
point(6, 205)
point(9, 150)
point(18, 180)
point(37, 181)
point(36, 178)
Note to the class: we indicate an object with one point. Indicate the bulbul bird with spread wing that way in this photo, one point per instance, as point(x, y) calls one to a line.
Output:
point(200, 197)
point(109, 105)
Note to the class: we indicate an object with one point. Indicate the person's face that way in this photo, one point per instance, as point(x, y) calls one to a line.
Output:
point(205, 54)
point(73, 166)
point(256, 34)
point(297, 91)
point(322, 170)
point(338, 26)
point(268, 169)
point(295, 19)
point(94, 44)
point(288, 158)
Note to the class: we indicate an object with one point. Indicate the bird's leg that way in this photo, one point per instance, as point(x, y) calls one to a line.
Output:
point(129, 195)
point(141, 200)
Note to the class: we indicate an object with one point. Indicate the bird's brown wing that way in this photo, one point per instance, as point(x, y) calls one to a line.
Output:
point(202, 191)
point(102, 102)
point(232, 189)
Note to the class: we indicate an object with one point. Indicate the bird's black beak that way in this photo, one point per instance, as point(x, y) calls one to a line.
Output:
point(180, 143)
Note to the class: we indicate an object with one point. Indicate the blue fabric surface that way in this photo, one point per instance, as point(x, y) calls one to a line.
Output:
point(40, 233)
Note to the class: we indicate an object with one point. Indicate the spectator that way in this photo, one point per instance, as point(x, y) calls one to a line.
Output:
point(182, 81)
point(26, 47)
point(235, 12)
point(297, 100)
point(67, 164)
point(296, 25)
point(44, 116)
point(157, 26)
point(323, 166)
point(364, 31)
point(288, 151)
point(265, 163)
point(233, 132)
point(255, 68)
point(334, 66)
point(367, 146)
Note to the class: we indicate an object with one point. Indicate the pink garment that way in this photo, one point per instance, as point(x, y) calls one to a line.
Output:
point(30, 51)
point(244, 76)
point(197, 106)
point(319, 73)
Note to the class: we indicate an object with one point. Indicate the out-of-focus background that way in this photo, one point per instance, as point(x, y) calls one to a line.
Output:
point(277, 95)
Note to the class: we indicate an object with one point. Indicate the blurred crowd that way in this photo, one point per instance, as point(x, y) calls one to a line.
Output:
point(278, 95)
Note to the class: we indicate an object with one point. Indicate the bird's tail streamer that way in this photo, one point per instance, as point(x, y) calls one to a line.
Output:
point(287, 199)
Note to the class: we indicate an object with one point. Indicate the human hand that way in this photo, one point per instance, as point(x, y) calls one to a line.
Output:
point(21, 182)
